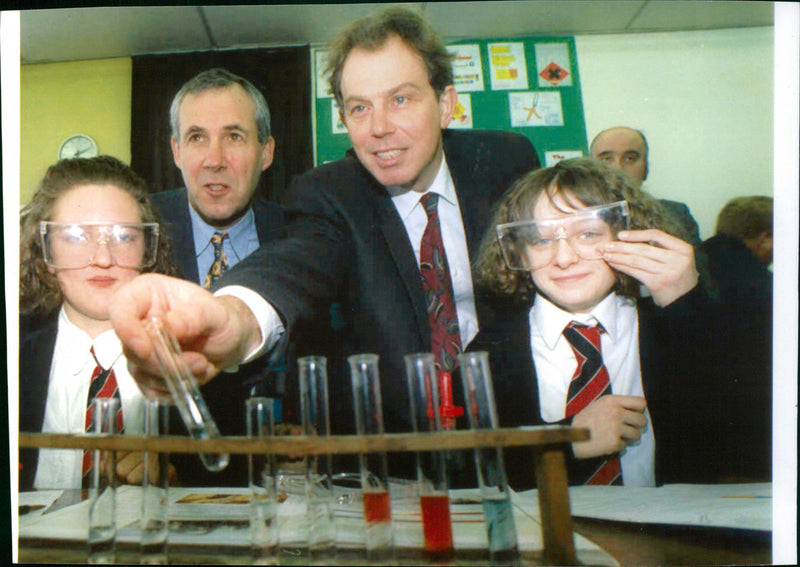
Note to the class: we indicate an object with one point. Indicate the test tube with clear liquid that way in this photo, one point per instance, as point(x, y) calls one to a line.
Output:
point(495, 496)
point(155, 486)
point(312, 372)
point(261, 482)
point(102, 485)
point(185, 393)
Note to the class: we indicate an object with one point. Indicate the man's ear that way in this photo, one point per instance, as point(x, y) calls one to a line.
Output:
point(176, 152)
point(268, 153)
point(447, 105)
point(764, 241)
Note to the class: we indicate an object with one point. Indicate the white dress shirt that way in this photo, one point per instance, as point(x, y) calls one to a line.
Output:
point(414, 218)
point(68, 387)
point(555, 364)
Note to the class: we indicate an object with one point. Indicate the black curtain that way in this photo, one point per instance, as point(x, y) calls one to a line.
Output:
point(282, 74)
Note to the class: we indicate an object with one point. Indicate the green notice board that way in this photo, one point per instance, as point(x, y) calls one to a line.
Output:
point(525, 85)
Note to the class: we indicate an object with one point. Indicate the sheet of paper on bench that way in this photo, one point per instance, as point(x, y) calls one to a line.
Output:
point(220, 519)
point(739, 506)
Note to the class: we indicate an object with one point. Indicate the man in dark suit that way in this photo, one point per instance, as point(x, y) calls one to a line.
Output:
point(627, 149)
point(355, 226)
point(739, 256)
point(221, 142)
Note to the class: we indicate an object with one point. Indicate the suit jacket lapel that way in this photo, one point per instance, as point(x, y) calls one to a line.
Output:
point(34, 388)
point(184, 253)
point(394, 231)
point(473, 200)
point(396, 237)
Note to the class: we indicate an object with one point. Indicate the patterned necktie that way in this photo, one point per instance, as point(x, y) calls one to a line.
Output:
point(103, 385)
point(220, 264)
point(589, 382)
point(439, 298)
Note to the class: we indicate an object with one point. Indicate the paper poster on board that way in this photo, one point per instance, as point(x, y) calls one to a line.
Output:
point(462, 115)
point(553, 65)
point(535, 108)
point(507, 65)
point(467, 67)
point(337, 126)
point(320, 63)
point(552, 158)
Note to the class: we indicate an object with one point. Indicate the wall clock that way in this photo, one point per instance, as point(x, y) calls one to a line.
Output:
point(77, 146)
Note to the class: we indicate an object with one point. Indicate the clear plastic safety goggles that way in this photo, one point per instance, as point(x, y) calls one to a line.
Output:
point(72, 246)
point(529, 245)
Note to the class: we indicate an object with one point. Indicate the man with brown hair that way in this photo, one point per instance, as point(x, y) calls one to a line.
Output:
point(741, 250)
point(356, 229)
point(738, 392)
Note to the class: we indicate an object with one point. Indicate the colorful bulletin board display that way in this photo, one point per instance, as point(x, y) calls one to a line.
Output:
point(525, 85)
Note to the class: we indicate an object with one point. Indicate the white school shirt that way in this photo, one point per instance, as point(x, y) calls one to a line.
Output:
point(68, 387)
point(555, 364)
point(415, 219)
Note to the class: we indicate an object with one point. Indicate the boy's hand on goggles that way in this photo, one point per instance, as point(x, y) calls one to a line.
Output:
point(663, 263)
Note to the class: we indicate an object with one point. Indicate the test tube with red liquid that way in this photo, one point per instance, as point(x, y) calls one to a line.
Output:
point(374, 475)
point(424, 389)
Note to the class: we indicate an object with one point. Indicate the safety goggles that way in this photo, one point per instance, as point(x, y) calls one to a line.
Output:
point(72, 246)
point(532, 244)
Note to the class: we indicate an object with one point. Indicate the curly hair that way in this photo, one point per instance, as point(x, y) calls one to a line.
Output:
point(580, 182)
point(39, 291)
point(372, 32)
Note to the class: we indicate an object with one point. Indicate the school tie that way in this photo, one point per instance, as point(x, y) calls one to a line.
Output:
point(103, 385)
point(220, 264)
point(589, 382)
point(439, 298)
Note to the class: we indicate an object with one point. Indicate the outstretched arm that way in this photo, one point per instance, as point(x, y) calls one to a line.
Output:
point(214, 332)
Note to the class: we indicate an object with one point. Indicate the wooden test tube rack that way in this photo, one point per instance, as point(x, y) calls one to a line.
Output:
point(548, 442)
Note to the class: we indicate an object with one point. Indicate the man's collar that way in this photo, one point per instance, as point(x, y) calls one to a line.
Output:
point(202, 231)
point(405, 200)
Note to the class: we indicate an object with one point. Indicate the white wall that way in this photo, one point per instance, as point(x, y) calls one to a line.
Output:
point(704, 99)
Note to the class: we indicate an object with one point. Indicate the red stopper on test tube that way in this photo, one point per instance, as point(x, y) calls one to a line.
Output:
point(447, 411)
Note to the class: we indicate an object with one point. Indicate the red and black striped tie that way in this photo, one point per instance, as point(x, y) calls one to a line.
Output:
point(103, 385)
point(589, 382)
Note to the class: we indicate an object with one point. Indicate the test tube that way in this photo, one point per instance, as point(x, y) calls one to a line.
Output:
point(261, 474)
point(185, 393)
point(431, 469)
point(318, 482)
point(102, 487)
point(479, 394)
point(153, 544)
point(374, 476)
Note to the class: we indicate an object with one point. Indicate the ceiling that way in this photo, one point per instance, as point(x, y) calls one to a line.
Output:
point(92, 33)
